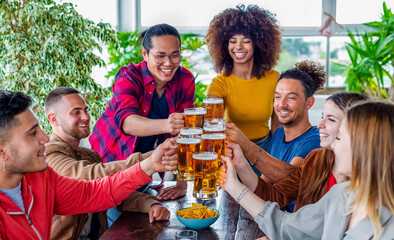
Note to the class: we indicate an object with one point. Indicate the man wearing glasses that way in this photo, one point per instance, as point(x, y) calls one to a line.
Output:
point(148, 102)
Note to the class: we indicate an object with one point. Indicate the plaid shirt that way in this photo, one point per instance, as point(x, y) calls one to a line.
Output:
point(133, 90)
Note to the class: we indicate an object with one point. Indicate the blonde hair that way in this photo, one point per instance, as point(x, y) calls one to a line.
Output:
point(371, 129)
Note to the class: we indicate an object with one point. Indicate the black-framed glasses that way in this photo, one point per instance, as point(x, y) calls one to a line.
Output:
point(174, 58)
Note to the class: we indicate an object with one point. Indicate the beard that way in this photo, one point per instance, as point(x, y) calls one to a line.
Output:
point(24, 164)
point(73, 131)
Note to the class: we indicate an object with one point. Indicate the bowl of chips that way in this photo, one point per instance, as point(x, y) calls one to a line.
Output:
point(197, 216)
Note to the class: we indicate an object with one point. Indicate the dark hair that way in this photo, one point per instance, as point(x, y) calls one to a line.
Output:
point(311, 75)
point(55, 95)
point(343, 100)
point(11, 104)
point(156, 31)
point(256, 23)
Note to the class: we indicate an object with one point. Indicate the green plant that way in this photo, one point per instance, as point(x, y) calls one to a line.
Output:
point(129, 50)
point(370, 54)
point(44, 45)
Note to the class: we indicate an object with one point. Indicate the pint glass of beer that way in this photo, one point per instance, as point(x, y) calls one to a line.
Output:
point(214, 142)
point(186, 148)
point(191, 132)
point(205, 168)
point(194, 117)
point(216, 125)
point(215, 108)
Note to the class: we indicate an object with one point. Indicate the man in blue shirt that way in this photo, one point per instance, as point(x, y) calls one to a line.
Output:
point(296, 138)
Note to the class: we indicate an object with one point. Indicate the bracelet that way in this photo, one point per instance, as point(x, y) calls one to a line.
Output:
point(242, 194)
point(258, 156)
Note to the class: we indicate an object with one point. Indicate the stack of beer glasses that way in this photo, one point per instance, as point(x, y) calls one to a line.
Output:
point(205, 150)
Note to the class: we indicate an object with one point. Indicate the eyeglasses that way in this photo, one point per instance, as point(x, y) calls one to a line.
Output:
point(174, 58)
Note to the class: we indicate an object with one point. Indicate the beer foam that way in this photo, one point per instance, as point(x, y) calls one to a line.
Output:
point(212, 100)
point(188, 140)
point(214, 136)
point(191, 131)
point(214, 128)
point(196, 111)
point(205, 156)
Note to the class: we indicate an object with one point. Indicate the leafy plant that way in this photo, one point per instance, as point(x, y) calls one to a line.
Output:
point(44, 45)
point(129, 50)
point(371, 55)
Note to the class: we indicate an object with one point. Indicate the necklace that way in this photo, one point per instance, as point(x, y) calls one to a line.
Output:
point(306, 129)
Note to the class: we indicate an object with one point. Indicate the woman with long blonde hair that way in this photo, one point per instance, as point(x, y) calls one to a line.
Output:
point(360, 209)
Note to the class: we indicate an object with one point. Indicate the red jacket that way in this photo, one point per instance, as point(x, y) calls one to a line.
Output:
point(47, 193)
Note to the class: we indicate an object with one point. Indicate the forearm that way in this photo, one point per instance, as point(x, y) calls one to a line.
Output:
point(86, 170)
point(250, 202)
point(138, 202)
point(248, 176)
point(141, 126)
point(272, 168)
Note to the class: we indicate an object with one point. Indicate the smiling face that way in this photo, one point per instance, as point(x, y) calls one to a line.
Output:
point(26, 146)
point(240, 49)
point(343, 151)
point(330, 123)
point(162, 46)
point(72, 116)
point(290, 104)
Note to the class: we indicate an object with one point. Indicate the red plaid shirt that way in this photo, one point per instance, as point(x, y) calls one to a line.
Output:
point(133, 90)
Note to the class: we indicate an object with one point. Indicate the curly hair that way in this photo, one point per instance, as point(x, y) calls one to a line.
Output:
point(254, 22)
point(311, 74)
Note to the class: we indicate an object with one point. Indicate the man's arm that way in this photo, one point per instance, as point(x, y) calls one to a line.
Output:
point(86, 170)
point(272, 168)
point(141, 126)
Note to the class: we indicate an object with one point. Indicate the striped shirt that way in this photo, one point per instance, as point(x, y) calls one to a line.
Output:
point(133, 90)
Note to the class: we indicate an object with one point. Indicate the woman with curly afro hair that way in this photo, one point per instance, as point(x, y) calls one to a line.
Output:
point(244, 44)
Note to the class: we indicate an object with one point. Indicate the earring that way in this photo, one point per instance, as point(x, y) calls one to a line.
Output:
point(4, 163)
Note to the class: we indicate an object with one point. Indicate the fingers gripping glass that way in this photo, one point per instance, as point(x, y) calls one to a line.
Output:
point(174, 58)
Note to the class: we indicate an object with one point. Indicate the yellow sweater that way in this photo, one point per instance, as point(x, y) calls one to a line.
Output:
point(247, 103)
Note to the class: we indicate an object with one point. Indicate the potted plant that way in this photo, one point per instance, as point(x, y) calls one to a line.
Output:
point(44, 45)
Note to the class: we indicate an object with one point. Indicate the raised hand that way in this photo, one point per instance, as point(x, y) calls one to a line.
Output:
point(158, 213)
point(234, 134)
point(175, 122)
point(234, 152)
point(227, 174)
point(164, 158)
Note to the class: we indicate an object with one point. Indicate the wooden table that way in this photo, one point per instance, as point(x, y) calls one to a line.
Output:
point(233, 222)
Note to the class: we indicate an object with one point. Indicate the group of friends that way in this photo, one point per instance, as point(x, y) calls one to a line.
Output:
point(337, 176)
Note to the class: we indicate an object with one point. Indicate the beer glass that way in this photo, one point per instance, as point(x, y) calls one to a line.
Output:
point(215, 108)
point(190, 132)
point(186, 148)
point(216, 125)
point(194, 117)
point(214, 142)
point(205, 167)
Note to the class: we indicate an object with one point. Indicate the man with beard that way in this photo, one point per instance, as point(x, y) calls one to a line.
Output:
point(68, 114)
point(31, 193)
point(296, 138)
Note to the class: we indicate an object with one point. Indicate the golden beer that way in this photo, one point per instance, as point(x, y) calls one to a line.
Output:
point(215, 125)
point(205, 168)
point(194, 117)
point(214, 142)
point(186, 148)
point(190, 132)
point(215, 108)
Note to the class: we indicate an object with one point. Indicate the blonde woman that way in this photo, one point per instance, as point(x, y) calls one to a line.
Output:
point(360, 209)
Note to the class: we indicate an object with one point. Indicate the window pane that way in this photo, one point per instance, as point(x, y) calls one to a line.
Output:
point(360, 11)
point(338, 55)
point(97, 10)
point(295, 49)
point(200, 13)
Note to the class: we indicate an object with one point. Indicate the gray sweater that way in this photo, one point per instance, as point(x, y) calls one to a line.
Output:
point(325, 219)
